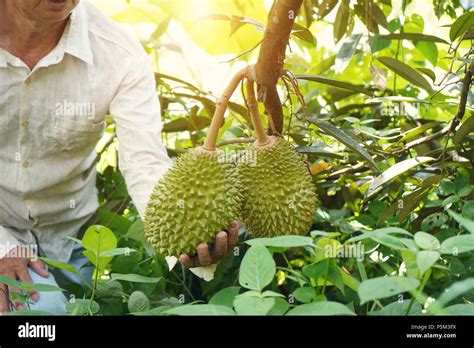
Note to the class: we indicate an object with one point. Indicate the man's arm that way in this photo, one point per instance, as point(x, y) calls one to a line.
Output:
point(143, 159)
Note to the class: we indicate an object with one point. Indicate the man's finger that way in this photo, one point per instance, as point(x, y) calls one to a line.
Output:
point(233, 233)
point(204, 255)
point(3, 298)
point(220, 247)
point(186, 261)
point(39, 268)
point(24, 276)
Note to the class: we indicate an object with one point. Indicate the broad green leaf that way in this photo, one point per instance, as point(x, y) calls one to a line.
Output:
point(282, 241)
point(41, 287)
point(468, 210)
point(117, 251)
point(468, 224)
point(225, 297)
point(407, 72)
point(135, 278)
point(342, 20)
point(335, 83)
point(346, 140)
point(200, 310)
point(458, 244)
point(426, 241)
point(393, 172)
point(304, 294)
point(459, 309)
point(9, 282)
point(161, 28)
point(60, 265)
point(30, 313)
point(303, 33)
point(399, 308)
point(429, 50)
point(347, 50)
point(96, 240)
point(461, 25)
point(466, 128)
point(425, 259)
point(413, 37)
point(383, 287)
point(321, 308)
point(280, 307)
point(257, 268)
point(82, 307)
point(178, 125)
point(253, 305)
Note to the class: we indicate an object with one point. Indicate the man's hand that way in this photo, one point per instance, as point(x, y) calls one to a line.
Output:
point(16, 268)
point(225, 242)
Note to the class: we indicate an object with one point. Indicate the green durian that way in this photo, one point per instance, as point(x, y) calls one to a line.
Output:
point(197, 198)
point(279, 194)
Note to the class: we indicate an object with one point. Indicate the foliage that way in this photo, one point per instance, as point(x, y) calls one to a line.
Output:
point(379, 128)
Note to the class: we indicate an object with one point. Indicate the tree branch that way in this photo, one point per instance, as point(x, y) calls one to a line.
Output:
point(271, 58)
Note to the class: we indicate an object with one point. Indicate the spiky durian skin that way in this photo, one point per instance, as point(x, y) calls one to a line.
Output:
point(195, 199)
point(279, 194)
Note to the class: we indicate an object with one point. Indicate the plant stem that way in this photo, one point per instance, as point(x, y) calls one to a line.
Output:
point(262, 137)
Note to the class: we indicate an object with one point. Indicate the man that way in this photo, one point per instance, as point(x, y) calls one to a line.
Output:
point(63, 67)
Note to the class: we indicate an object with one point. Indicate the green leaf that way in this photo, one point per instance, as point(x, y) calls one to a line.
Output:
point(161, 28)
point(225, 297)
point(60, 265)
point(280, 307)
point(461, 25)
point(426, 241)
point(397, 308)
point(303, 33)
point(9, 282)
point(425, 259)
point(335, 83)
point(429, 50)
point(394, 172)
point(253, 305)
point(466, 128)
point(117, 251)
point(282, 241)
point(468, 210)
point(257, 268)
point(321, 308)
point(41, 287)
point(346, 140)
point(200, 310)
point(345, 53)
point(305, 294)
point(413, 37)
point(135, 278)
point(178, 125)
point(382, 287)
point(407, 72)
point(468, 224)
point(96, 240)
point(458, 244)
point(459, 309)
point(81, 307)
point(30, 313)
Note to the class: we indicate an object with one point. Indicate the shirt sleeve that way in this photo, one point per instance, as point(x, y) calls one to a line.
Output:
point(143, 159)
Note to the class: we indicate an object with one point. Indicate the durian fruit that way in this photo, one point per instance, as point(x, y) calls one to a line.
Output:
point(279, 194)
point(195, 200)
point(198, 197)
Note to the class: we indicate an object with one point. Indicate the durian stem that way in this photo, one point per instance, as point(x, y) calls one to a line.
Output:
point(261, 134)
point(221, 107)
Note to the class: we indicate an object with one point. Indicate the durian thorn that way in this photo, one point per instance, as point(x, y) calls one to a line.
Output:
point(261, 134)
point(221, 107)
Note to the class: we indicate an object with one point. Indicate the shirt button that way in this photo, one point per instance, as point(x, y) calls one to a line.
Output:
point(25, 124)
point(26, 164)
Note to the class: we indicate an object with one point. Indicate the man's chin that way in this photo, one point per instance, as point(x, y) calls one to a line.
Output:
point(56, 10)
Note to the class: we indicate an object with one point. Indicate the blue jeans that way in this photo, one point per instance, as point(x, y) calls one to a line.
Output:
point(55, 302)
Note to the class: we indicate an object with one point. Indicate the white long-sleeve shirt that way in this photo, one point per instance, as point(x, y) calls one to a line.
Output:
point(51, 119)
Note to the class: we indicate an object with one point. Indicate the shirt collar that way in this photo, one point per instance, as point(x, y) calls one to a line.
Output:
point(77, 35)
